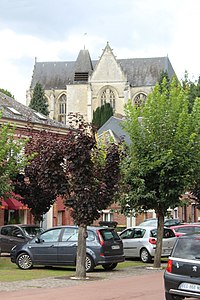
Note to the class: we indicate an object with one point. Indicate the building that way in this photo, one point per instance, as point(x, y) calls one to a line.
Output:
point(83, 85)
point(22, 117)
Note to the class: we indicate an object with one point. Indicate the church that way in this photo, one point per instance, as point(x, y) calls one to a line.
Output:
point(85, 84)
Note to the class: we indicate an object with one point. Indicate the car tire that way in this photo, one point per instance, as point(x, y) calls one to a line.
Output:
point(109, 267)
point(145, 256)
point(24, 261)
point(89, 263)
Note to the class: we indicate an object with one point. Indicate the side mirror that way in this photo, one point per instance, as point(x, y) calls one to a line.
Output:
point(38, 240)
point(20, 236)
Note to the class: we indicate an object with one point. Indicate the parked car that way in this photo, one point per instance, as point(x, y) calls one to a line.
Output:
point(11, 235)
point(167, 222)
point(140, 241)
point(185, 229)
point(182, 275)
point(57, 247)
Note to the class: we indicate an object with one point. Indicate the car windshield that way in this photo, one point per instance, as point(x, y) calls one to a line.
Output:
point(187, 248)
point(32, 231)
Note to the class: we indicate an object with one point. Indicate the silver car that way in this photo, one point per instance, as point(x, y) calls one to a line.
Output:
point(140, 241)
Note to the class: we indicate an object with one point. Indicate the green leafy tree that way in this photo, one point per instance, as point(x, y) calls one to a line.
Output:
point(164, 158)
point(102, 114)
point(6, 92)
point(38, 101)
point(12, 161)
point(193, 91)
point(74, 167)
point(192, 88)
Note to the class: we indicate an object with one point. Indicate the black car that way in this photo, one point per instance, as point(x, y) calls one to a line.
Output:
point(57, 246)
point(182, 275)
point(11, 235)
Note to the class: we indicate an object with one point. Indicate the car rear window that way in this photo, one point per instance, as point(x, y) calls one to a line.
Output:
point(168, 233)
point(109, 234)
point(187, 248)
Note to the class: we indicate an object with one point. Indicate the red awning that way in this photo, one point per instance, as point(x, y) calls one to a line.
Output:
point(15, 204)
point(3, 205)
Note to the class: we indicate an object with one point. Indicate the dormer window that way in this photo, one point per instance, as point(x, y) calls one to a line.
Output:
point(39, 115)
point(13, 110)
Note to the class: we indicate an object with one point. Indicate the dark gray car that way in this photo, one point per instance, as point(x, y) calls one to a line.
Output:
point(182, 275)
point(14, 234)
point(57, 247)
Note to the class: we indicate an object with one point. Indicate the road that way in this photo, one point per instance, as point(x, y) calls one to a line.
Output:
point(147, 286)
point(143, 287)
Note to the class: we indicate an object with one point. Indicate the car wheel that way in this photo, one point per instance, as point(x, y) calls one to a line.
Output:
point(145, 256)
point(24, 261)
point(109, 267)
point(89, 263)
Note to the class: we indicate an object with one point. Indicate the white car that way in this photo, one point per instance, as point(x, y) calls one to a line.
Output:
point(140, 241)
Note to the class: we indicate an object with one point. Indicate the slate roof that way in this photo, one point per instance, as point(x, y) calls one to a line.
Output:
point(16, 111)
point(113, 125)
point(140, 71)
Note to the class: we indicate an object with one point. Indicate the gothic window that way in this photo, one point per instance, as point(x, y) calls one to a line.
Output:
point(140, 99)
point(62, 108)
point(108, 96)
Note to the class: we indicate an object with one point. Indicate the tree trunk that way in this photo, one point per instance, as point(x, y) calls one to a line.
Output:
point(160, 229)
point(81, 252)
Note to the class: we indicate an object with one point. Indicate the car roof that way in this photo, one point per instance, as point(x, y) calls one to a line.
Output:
point(21, 225)
point(185, 225)
point(190, 235)
point(75, 226)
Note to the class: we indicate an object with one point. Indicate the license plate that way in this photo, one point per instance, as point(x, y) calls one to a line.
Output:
point(115, 247)
point(189, 287)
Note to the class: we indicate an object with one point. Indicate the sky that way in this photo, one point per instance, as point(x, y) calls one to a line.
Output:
point(56, 30)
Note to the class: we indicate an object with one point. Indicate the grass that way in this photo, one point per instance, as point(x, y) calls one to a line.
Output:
point(10, 271)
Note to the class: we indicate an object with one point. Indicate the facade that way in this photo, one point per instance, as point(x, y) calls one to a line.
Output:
point(22, 117)
point(83, 85)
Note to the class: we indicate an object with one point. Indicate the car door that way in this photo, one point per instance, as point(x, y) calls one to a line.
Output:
point(168, 241)
point(132, 241)
point(10, 236)
point(68, 245)
point(44, 249)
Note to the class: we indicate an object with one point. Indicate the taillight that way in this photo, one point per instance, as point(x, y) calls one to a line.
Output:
point(169, 266)
point(100, 238)
point(152, 241)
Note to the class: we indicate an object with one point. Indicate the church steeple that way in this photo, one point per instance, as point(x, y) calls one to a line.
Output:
point(83, 66)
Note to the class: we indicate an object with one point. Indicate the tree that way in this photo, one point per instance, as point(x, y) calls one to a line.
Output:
point(74, 167)
point(102, 114)
point(38, 100)
point(6, 92)
point(192, 88)
point(12, 161)
point(163, 159)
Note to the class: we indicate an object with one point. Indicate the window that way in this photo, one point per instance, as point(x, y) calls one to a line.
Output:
point(140, 99)
point(51, 235)
point(62, 108)
point(128, 234)
point(70, 234)
point(108, 96)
